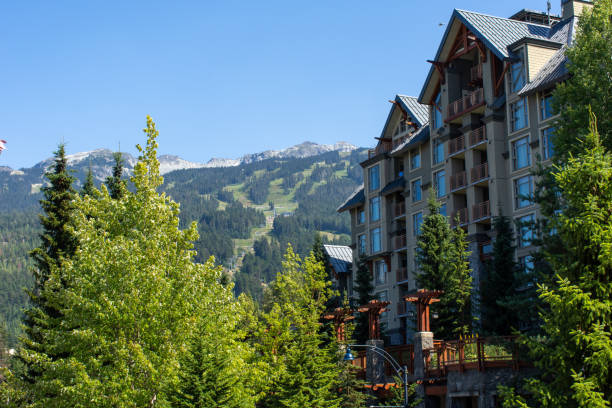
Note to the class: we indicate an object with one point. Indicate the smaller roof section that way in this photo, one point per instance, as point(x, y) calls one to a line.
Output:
point(417, 138)
point(340, 257)
point(418, 112)
point(552, 73)
point(356, 199)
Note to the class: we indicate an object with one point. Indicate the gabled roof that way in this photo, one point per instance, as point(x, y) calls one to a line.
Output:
point(418, 112)
point(418, 137)
point(355, 199)
point(497, 34)
point(340, 257)
point(553, 72)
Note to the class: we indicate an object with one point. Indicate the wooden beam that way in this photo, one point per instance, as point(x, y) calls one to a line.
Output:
point(500, 80)
point(440, 68)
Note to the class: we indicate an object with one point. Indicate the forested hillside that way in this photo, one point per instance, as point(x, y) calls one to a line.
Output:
point(246, 215)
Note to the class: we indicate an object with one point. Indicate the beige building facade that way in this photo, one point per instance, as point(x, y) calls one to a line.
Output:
point(480, 126)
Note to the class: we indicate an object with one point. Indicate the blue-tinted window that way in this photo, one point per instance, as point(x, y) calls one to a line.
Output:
point(417, 220)
point(443, 209)
point(521, 153)
point(361, 216)
point(517, 74)
point(526, 230)
point(416, 190)
point(548, 147)
point(374, 177)
point(375, 240)
point(438, 151)
point(375, 209)
point(362, 244)
point(415, 160)
point(519, 114)
point(546, 109)
point(440, 180)
point(437, 112)
point(523, 191)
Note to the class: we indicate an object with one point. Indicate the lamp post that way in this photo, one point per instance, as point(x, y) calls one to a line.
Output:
point(401, 371)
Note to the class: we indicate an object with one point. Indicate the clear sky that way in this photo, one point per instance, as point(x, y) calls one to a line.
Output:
point(221, 78)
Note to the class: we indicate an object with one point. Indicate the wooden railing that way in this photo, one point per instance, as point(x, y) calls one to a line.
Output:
point(463, 217)
point(481, 210)
point(464, 105)
point(402, 274)
point(478, 135)
point(455, 145)
point(479, 172)
point(404, 355)
point(399, 242)
point(472, 354)
point(383, 147)
point(399, 209)
point(458, 180)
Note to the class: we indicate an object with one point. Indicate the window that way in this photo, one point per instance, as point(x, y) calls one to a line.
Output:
point(523, 192)
point(361, 243)
point(517, 73)
point(546, 110)
point(415, 159)
point(380, 272)
point(374, 209)
point(521, 153)
point(519, 114)
point(360, 216)
point(417, 220)
point(526, 264)
point(440, 183)
point(416, 190)
point(525, 227)
point(443, 209)
point(438, 151)
point(383, 297)
point(374, 178)
point(375, 240)
point(437, 111)
point(548, 148)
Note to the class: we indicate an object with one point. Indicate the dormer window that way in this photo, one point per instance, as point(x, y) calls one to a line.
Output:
point(401, 127)
point(517, 73)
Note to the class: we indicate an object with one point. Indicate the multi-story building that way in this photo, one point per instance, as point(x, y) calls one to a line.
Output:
point(480, 125)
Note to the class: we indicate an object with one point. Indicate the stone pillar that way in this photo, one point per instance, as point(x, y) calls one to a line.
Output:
point(422, 341)
point(375, 363)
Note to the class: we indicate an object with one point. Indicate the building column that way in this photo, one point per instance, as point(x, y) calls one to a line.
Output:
point(422, 341)
point(375, 363)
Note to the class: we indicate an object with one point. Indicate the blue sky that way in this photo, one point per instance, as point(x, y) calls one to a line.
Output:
point(220, 78)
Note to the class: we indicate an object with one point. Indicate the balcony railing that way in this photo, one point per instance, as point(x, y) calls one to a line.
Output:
point(404, 355)
point(383, 147)
point(458, 180)
point(400, 140)
point(476, 73)
point(456, 145)
point(399, 209)
point(465, 104)
point(478, 135)
point(481, 210)
point(473, 354)
point(402, 274)
point(399, 242)
point(480, 172)
point(463, 217)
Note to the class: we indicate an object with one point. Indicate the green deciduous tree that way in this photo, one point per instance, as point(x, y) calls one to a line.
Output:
point(301, 363)
point(443, 265)
point(575, 356)
point(589, 84)
point(129, 298)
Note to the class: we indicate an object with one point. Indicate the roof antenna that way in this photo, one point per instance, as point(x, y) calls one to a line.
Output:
point(548, 10)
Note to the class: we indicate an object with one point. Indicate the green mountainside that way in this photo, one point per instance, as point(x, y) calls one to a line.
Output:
point(246, 215)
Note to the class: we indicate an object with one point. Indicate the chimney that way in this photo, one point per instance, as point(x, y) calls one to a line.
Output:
point(573, 8)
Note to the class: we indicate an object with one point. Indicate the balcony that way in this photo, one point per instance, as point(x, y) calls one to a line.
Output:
point(383, 147)
point(458, 180)
point(464, 105)
point(400, 140)
point(402, 274)
point(479, 172)
point(399, 242)
point(478, 136)
point(481, 211)
point(456, 145)
point(399, 210)
point(463, 217)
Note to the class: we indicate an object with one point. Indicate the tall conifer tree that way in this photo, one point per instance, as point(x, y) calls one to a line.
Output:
point(114, 183)
point(364, 290)
point(88, 186)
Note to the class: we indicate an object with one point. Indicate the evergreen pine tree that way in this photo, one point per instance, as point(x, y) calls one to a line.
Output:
point(114, 183)
point(58, 243)
point(499, 283)
point(364, 290)
point(88, 186)
point(443, 265)
point(575, 356)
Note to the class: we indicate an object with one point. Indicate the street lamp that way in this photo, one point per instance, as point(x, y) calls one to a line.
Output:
point(401, 371)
